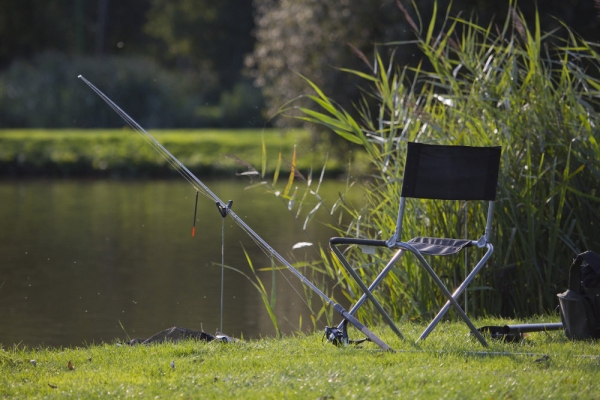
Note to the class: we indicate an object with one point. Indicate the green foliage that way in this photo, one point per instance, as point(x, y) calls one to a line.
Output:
point(209, 37)
point(311, 38)
point(512, 86)
point(315, 38)
point(46, 93)
point(448, 365)
point(240, 107)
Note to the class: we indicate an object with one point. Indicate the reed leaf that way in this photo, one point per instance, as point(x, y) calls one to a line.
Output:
point(268, 301)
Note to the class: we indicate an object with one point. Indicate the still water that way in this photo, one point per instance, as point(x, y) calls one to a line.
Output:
point(85, 262)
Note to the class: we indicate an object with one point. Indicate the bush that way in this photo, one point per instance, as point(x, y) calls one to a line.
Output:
point(46, 93)
point(511, 86)
point(240, 107)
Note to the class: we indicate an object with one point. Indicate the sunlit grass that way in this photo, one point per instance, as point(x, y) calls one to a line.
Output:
point(449, 364)
point(124, 153)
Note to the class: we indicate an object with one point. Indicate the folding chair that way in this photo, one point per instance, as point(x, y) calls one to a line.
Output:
point(435, 172)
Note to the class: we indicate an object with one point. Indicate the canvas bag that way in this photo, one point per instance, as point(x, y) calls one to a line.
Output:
point(580, 304)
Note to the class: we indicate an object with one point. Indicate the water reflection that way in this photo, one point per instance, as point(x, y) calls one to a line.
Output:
point(80, 258)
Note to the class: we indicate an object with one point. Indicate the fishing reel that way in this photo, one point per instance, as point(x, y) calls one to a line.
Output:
point(339, 336)
point(336, 336)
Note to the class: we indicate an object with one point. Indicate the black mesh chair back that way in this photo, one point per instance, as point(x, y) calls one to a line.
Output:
point(451, 172)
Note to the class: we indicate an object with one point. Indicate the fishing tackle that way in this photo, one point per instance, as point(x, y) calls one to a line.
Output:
point(338, 336)
point(195, 209)
point(223, 210)
point(200, 186)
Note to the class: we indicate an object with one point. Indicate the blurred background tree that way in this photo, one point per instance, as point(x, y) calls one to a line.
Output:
point(312, 38)
point(219, 64)
point(210, 37)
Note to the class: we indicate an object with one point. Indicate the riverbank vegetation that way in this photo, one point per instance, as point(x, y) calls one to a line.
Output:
point(448, 364)
point(122, 153)
point(533, 93)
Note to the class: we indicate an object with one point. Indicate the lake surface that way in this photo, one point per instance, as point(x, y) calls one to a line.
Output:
point(85, 262)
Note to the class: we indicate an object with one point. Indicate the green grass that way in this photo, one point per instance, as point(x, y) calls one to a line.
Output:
point(447, 365)
point(124, 153)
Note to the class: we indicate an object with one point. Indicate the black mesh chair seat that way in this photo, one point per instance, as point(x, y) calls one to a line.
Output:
point(436, 173)
point(439, 246)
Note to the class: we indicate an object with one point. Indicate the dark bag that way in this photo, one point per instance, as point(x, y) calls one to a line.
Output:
point(580, 304)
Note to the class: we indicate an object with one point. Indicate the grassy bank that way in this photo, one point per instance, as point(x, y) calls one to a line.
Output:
point(124, 153)
point(446, 365)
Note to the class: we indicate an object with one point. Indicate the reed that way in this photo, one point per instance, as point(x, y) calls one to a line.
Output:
point(301, 196)
point(534, 94)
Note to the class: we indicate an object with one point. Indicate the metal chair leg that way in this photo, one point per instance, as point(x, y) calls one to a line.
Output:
point(368, 294)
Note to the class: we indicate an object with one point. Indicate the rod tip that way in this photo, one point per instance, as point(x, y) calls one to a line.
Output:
point(79, 76)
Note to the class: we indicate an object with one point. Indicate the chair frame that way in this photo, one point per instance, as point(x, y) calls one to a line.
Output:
point(401, 247)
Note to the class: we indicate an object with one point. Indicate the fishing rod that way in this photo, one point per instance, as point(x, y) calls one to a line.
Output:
point(201, 187)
